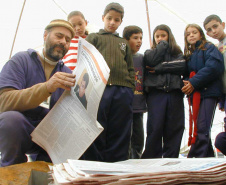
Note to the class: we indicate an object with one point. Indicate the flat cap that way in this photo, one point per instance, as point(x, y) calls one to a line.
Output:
point(62, 23)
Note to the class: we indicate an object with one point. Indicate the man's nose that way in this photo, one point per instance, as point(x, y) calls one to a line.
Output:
point(63, 41)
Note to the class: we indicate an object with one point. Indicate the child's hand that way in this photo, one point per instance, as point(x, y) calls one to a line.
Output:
point(220, 108)
point(150, 69)
point(187, 88)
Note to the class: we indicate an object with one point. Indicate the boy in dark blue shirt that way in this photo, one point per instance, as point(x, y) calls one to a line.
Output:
point(134, 35)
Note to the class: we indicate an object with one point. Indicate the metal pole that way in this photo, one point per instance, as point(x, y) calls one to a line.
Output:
point(149, 27)
point(17, 30)
point(59, 7)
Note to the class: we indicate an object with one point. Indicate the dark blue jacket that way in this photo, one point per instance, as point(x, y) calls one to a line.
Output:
point(24, 70)
point(209, 66)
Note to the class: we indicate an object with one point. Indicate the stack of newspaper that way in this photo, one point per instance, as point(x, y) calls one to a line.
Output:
point(142, 171)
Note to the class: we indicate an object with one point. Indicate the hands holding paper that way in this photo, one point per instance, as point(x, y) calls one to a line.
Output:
point(60, 80)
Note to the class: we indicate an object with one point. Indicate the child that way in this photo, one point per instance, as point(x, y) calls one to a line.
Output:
point(164, 66)
point(77, 19)
point(134, 34)
point(115, 109)
point(205, 68)
point(215, 28)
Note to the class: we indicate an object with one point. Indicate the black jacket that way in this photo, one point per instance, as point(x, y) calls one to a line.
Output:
point(168, 69)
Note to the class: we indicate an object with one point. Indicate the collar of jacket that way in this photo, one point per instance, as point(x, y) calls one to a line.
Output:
point(33, 53)
point(198, 43)
point(102, 31)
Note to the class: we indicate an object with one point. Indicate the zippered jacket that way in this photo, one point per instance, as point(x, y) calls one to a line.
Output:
point(168, 69)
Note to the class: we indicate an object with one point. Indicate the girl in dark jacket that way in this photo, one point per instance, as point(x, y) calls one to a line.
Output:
point(203, 87)
point(164, 65)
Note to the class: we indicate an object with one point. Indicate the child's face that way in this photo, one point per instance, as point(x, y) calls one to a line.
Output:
point(112, 20)
point(135, 42)
point(215, 29)
point(192, 35)
point(161, 35)
point(79, 25)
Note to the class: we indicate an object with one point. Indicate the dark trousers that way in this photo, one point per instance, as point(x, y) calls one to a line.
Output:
point(165, 125)
point(203, 145)
point(15, 139)
point(115, 115)
point(137, 138)
point(220, 141)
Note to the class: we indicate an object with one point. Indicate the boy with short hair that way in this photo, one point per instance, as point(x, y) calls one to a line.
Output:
point(215, 28)
point(115, 109)
point(134, 34)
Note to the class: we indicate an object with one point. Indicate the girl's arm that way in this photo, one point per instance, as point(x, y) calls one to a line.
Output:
point(154, 56)
point(187, 88)
point(177, 66)
point(213, 69)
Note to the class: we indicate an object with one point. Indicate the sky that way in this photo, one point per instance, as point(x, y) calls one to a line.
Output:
point(37, 14)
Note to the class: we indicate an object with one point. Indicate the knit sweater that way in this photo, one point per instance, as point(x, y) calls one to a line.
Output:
point(118, 56)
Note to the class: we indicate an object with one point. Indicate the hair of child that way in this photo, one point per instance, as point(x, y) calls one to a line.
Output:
point(130, 30)
point(77, 13)
point(74, 13)
point(188, 48)
point(174, 48)
point(210, 18)
point(116, 7)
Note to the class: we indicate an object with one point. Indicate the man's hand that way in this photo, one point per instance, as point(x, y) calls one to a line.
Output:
point(60, 80)
point(187, 88)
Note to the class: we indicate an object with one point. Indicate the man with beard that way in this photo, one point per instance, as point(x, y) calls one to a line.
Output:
point(28, 79)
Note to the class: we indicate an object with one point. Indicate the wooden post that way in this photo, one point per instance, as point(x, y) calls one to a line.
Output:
point(148, 20)
point(17, 29)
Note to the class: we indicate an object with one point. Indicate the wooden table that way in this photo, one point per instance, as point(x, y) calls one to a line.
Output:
point(19, 174)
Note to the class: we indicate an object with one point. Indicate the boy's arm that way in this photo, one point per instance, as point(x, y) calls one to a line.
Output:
point(91, 39)
point(130, 66)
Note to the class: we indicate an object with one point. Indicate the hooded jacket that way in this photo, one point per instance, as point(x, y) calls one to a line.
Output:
point(208, 65)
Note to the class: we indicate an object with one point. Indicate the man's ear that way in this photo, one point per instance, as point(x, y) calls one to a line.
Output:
point(103, 18)
point(45, 35)
point(223, 24)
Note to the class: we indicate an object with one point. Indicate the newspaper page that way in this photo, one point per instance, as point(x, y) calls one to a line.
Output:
point(147, 165)
point(71, 126)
